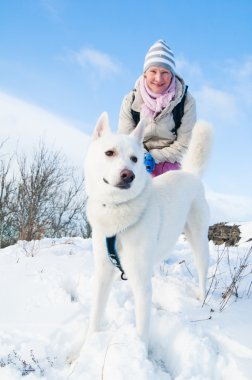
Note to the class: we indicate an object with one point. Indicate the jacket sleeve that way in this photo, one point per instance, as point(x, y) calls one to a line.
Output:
point(126, 122)
point(175, 151)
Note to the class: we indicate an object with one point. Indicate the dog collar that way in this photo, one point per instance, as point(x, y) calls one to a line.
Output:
point(113, 256)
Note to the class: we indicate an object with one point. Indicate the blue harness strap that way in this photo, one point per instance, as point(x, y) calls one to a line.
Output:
point(113, 256)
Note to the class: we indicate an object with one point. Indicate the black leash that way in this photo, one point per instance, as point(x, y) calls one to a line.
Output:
point(113, 256)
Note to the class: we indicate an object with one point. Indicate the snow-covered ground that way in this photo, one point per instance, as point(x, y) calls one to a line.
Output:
point(46, 293)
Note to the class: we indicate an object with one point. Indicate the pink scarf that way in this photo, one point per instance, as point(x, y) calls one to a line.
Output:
point(155, 103)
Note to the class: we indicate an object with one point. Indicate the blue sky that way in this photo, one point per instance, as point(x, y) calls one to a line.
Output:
point(77, 58)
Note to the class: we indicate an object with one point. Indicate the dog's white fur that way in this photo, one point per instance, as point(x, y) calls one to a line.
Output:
point(147, 217)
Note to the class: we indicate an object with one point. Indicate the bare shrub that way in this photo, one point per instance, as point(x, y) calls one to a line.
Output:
point(50, 197)
point(232, 277)
point(237, 274)
point(7, 195)
point(46, 198)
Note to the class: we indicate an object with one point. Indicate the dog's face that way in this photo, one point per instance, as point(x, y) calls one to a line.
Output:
point(114, 168)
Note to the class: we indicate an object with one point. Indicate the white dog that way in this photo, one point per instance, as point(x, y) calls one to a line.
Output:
point(145, 215)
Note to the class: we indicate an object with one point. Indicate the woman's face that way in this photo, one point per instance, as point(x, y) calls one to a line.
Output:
point(158, 79)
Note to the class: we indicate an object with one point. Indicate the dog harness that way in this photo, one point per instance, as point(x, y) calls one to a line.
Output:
point(113, 255)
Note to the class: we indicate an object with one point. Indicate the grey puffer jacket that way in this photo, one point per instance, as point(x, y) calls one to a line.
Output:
point(159, 139)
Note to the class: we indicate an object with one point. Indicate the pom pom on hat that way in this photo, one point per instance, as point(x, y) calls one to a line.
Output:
point(160, 55)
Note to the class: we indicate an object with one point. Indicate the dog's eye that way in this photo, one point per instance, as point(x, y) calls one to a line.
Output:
point(133, 158)
point(110, 153)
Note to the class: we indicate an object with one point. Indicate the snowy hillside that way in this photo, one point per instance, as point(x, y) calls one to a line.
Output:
point(46, 291)
point(23, 125)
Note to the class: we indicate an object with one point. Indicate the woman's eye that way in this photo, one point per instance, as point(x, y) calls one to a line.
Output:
point(133, 158)
point(110, 153)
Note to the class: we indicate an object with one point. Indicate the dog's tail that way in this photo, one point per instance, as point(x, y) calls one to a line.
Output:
point(199, 148)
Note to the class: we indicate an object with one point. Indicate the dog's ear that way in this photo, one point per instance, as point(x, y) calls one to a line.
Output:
point(138, 132)
point(102, 126)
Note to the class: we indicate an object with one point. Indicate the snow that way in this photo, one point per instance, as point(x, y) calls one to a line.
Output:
point(225, 207)
point(46, 294)
point(24, 125)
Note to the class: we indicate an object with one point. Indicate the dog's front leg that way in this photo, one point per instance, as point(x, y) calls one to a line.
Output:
point(103, 278)
point(142, 291)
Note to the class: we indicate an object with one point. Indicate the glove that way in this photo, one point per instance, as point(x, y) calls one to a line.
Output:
point(149, 162)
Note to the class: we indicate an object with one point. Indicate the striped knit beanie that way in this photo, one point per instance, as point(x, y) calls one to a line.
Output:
point(160, 55)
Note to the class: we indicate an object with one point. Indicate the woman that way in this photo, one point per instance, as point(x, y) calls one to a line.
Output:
point(161, 96)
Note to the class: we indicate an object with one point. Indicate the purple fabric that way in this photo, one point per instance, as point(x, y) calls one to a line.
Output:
point(163, 167)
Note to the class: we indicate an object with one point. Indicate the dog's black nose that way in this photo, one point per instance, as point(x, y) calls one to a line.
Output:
point(127, 176)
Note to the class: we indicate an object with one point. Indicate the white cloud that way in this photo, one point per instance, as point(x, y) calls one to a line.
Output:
point(213, 103)
point(191, 71)
point(96, 60)
point(245, 71)
point(227, 99)
point(25, 124)
point(239, 70)
point(240, 74)
point(53, 8)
